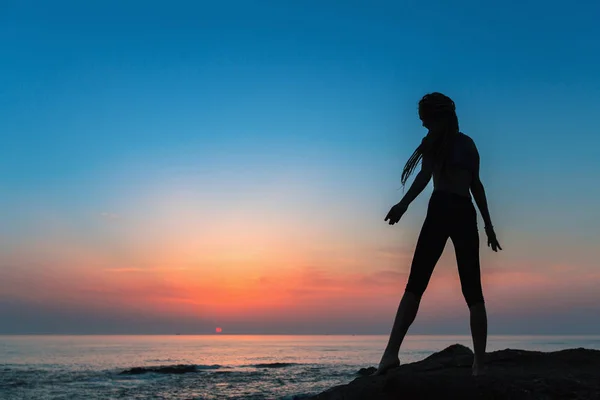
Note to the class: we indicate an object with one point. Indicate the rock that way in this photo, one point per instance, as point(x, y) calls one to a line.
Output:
point(274, 365)
point(510, 374)
point(172, 369)
point(366, 371)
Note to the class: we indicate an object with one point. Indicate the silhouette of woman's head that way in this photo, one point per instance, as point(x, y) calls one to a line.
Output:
point(438, 114)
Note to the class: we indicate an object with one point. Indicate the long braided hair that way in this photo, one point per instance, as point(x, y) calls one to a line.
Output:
point(440, 109)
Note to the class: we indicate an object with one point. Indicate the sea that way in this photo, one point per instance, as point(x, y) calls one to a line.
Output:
point(216, 366)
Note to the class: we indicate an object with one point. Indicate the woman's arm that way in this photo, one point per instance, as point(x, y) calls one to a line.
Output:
point(478, 192)
point(420, 182)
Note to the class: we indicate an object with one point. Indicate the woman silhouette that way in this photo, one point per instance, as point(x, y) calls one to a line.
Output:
point(451, 157)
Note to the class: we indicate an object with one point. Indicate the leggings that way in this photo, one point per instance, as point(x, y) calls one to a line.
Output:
point(448, 216)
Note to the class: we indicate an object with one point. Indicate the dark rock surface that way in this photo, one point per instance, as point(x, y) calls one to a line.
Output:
point(510, 374)
point(274, 365)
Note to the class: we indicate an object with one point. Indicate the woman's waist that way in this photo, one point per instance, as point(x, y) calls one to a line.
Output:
point(451, 207)
point(451, 201)
point(454, 181)
point(452, 194)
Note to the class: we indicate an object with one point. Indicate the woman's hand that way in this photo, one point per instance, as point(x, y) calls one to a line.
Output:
point(492, 240)
point(396, 212)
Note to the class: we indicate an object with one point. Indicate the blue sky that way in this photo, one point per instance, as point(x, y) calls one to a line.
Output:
point(106, 105)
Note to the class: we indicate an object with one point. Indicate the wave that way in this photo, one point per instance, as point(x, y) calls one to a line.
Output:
point(191, 368)
point(274, 365)
point(169, 369)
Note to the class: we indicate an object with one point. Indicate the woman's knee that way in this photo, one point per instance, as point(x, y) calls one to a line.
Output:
point(475, 300)
point(416, 287)
point(412, 295)
point(473, 294)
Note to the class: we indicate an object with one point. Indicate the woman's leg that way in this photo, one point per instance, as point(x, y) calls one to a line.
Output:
point(466, 244)
point(430, 246)
point(479, 334)
point(407, 311)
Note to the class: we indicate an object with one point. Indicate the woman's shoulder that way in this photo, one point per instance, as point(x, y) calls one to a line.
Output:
point(467, 140)
point(466, 137)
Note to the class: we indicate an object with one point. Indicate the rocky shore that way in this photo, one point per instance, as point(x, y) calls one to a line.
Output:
point(510, 374)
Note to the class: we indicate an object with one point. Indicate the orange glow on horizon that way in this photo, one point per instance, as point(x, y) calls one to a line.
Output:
point(199, 269)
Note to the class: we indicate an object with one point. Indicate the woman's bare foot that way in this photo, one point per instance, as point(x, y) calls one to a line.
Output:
point(386, 364)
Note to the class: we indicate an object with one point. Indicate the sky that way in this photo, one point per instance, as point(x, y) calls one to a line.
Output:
point(179, 166)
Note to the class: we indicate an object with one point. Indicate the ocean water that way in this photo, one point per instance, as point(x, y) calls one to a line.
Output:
point(218, 367)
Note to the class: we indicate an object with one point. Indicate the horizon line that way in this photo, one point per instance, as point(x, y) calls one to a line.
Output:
point(300, 334)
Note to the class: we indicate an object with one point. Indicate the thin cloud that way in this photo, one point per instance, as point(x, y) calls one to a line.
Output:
point(145, 269)
point(126, 270)
point(109, 216)
point(397, 252)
